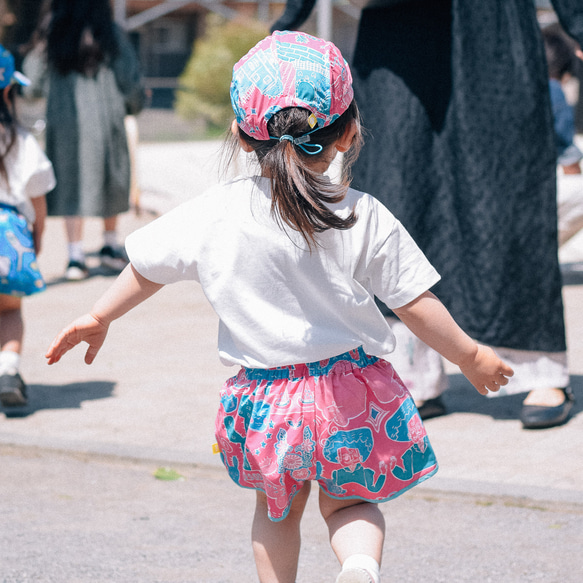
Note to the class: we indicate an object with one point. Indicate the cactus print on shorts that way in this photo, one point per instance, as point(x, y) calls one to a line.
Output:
point(347, 422)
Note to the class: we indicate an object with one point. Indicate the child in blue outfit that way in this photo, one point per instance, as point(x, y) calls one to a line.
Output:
point(26, 175)
point(291, 263)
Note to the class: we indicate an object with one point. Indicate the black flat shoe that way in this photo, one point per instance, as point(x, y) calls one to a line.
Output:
point(540, 417)
point(432, 408)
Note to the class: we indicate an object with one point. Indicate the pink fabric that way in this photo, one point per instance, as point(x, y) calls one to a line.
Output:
point(347, 422)
point(290, 69)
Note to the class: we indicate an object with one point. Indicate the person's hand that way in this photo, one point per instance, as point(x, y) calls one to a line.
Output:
point(88, 329)
point(579, 53)
point(486, 371)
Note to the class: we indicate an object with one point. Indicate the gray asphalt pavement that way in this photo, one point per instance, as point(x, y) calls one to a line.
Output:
point(88, 518)
point(80, 503)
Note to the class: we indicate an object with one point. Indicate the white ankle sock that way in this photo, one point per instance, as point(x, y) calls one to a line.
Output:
point(9, 362)
point(76, 252)
point(110, 239)
point(365, 562)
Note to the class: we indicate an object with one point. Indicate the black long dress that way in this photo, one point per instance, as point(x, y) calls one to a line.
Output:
point(454, 94)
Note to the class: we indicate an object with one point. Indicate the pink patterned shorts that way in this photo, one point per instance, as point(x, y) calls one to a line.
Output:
point(347, 422)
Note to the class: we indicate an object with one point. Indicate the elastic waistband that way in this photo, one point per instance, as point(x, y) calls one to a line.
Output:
point(8, 207)
point(356, 358)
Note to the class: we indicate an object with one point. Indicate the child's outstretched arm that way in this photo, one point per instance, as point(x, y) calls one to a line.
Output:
point(128, 290)
point(39, 204)
point(429, 319)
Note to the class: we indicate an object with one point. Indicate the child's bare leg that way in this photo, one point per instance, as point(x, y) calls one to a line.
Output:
point(11, 325)
point(355, 528)
point(12, 387)
point(276, 545)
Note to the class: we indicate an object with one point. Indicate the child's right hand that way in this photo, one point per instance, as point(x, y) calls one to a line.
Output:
point(128, 290)
point(485, 370)
point(88, 329)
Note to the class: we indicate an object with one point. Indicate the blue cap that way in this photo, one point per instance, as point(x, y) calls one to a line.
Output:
point(8, 74)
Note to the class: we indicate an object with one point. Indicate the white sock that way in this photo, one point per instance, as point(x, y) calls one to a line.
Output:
point(9, 362)
point(365, 562)
point(76, 252)
point(110, 239)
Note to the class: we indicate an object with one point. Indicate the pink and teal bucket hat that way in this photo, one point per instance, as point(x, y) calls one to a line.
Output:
point(290, 69)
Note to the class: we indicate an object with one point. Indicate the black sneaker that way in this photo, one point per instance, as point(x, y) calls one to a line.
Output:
point(12, 390)
point(76, 271)
point(114, 258)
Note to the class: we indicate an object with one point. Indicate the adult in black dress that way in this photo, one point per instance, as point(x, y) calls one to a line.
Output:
point(454, 94)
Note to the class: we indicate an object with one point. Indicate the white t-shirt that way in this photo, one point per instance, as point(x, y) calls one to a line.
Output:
point(30, 174)
point(277, 302)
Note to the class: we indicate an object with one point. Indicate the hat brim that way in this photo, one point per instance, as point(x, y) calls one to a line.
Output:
point(21, 79)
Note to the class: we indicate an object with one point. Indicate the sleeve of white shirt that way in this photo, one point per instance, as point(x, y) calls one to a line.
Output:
point(167, 249)
point(396, 270)
point(41, 177)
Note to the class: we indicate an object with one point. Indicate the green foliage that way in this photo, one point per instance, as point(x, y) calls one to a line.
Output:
point(205, 82)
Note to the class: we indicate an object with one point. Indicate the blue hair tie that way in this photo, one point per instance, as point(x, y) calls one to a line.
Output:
point(301, 142)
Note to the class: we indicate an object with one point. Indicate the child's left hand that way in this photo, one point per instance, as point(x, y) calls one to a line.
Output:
point(88, 329)
point(486, 371)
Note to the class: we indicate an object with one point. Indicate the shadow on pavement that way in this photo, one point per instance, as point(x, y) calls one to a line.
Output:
point(93, 272)
point(461, 397)
point(69, 396)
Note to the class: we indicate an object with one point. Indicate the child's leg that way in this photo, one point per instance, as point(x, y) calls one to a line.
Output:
point(11, 325)
point(12, 388)
point(356, 528)
point(276, 545)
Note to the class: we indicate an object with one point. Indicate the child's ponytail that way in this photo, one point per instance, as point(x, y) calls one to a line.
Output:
point(299, 194)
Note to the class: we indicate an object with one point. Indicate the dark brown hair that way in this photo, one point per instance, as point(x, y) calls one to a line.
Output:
point(9, 125)
point(300, 195)
point(81, 35)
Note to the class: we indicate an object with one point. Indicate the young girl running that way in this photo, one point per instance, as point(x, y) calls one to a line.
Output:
point(291, 263)
point(26, 175)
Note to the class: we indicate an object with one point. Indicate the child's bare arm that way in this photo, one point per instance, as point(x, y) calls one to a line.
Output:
point(39, 204)
point(428, 319)
point(128, 290)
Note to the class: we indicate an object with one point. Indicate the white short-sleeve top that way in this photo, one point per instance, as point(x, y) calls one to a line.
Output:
point(278, 302)
point(30, 174)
